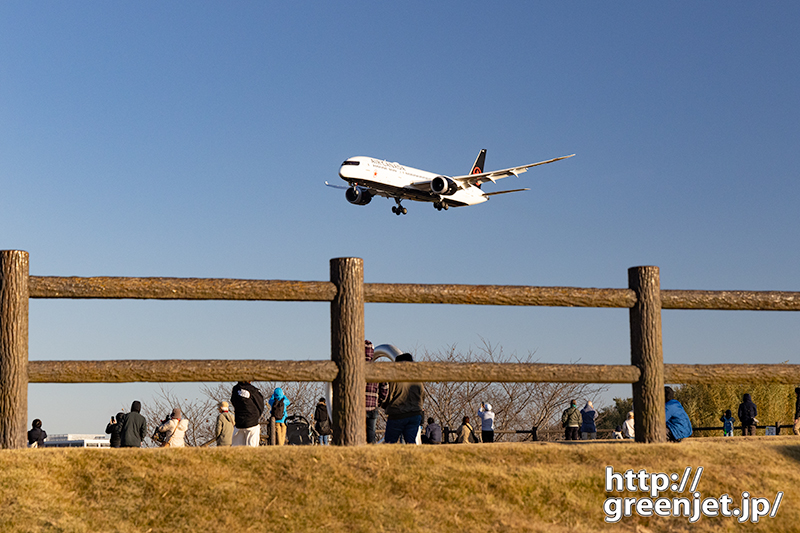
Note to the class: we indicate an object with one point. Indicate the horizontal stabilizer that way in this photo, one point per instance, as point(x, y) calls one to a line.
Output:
point(504, 192)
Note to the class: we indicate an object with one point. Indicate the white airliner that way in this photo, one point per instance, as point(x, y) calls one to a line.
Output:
point(370, 177)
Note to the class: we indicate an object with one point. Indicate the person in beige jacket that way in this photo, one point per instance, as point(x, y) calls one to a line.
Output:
point(466, 433)
point(175, 428)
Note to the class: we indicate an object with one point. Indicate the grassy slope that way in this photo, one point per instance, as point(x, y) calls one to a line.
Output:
point(501, 487)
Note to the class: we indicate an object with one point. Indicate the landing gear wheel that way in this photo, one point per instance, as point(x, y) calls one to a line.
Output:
point(394, 210)
point(445, 206)
point(404, 211)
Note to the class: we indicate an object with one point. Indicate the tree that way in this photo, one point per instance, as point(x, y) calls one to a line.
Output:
point(517, 406)
point(611, 416)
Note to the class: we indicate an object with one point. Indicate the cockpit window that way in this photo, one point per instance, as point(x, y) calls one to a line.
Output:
point(351, 163)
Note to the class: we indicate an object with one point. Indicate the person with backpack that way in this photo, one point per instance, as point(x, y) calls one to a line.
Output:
point(278, 404)
point(322, 422)
point(747, 415)
point(248, 404)
point(727, 424)
point(174, 429)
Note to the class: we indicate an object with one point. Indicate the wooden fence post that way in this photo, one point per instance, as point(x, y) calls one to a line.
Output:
point(13, 348)
point(647, 354)
point(347, 351)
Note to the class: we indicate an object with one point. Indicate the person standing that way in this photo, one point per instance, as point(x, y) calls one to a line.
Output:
point(486, 415)
point(278, 404)
point(727, 424)
point(248, 404)
point(403, 407)
point(588, 427)
point(36, 435)
point(796, 428)
point(571, 421)
point(678, 424)
point(322, 422)
point(375, 394)
point(628, 427)
point(747, 415)
point(175, 430)
point(114, 428)
point(134, 428)
point(223, 431)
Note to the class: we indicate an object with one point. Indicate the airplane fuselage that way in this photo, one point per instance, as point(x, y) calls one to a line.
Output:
point(399, 179)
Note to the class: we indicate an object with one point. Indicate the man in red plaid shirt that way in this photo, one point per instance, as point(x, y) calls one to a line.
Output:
point(376, 393)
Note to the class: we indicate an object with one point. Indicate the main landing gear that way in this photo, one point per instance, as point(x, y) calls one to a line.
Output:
point(399, 209)
point(441, 205)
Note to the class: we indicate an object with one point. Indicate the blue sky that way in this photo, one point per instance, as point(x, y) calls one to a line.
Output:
point(193, 140)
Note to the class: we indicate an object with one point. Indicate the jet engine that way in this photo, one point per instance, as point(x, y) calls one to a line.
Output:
point(444, 186)
point(358, 195)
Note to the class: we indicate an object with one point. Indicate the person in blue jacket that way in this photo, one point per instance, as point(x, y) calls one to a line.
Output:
point(279, 413)
point(678, 424)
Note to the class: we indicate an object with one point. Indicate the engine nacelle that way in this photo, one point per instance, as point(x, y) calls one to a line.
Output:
point(357, 195)
point(444, 186)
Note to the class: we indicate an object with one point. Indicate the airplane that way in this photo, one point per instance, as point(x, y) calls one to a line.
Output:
point(370, 177)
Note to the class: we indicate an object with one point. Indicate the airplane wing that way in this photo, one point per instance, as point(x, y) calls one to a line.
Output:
point(504, 192)
point(477, 179)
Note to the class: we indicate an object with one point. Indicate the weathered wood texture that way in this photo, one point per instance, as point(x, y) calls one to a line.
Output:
point(323, 291)
point(179, 370)
point(347, 351)
point(13, 348)
point(502, 372)
point(731, 300)
point(785, 374)
point(180, 289)
point(647, 354)
point(497, 295)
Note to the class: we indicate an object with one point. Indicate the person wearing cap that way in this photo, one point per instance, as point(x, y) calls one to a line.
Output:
point(175, 428)
point(486, 415)
point(225, 424)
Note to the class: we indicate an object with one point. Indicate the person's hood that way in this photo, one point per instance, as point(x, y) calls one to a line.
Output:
point(747, 398)
point(120, 416)
point(587, 407)
point(136, 406)
point(278, 394)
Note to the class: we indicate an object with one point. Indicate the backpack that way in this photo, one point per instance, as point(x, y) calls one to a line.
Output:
point(277, 409)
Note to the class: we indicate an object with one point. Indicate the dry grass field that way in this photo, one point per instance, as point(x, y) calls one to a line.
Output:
point(500, 487)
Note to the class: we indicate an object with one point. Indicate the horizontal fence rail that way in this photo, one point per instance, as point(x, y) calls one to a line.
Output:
point(346, 294)
point(192, 370)
point(324, 291)
point(179, 370)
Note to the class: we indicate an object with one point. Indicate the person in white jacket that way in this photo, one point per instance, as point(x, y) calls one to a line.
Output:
point(627, 427)
point(486, 415)
point(175, 428)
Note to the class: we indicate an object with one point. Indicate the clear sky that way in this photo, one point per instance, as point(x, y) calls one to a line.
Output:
point(193, 139)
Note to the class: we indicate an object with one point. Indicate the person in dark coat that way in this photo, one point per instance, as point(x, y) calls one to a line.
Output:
point(248, 404)
point(747, 415)
point(134, 428)
point(36, 435)
point(114, 428)
point(322, 422)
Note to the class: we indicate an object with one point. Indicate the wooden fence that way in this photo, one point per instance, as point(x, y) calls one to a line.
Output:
point(347, 293)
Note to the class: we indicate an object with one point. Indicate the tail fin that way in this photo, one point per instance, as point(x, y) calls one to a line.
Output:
point(477, 166)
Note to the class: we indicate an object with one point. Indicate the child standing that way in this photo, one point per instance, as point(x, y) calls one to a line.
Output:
point(727, 424)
